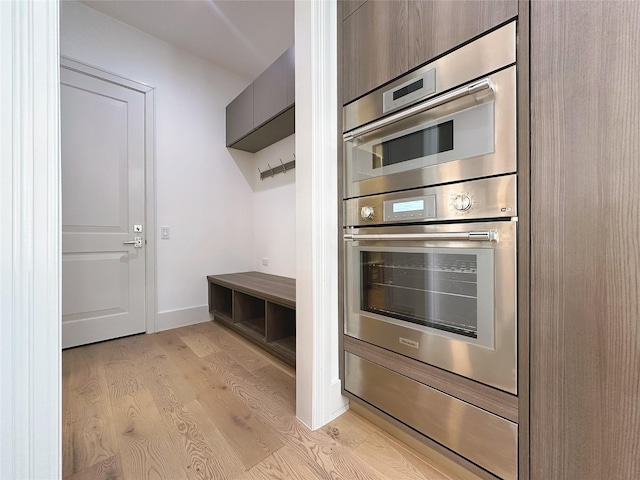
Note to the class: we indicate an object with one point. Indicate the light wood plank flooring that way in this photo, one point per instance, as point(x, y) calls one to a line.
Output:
point(200, 402)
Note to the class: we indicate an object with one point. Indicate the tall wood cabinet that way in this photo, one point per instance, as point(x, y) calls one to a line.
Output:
point(579, 418)
point(384, 39)
point(350, 6)
point(585, 241)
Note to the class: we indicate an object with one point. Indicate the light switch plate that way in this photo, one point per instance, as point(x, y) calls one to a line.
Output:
point(165, 233)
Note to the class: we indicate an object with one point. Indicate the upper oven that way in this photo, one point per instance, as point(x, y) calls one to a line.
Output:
point(452, 120)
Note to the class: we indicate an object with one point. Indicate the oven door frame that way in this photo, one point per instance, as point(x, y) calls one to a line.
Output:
point(494, 365)
point(498, 87)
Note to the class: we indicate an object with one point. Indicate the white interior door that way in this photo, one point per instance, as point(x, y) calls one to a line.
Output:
point(103, 159)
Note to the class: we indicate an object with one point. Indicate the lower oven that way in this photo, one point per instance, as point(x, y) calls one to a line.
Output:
point(440, 293)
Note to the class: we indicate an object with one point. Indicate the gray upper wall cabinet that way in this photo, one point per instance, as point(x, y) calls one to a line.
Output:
point(264, 112)
point(383, 39)
point(271, 90)
point(240, 116)
point(291, 75)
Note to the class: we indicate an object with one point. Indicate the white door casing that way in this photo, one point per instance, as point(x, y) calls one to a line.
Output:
point(318, 388)
point(103, 196)
point(30, 420)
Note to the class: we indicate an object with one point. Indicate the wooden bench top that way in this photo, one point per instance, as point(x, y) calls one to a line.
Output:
point(270, 287)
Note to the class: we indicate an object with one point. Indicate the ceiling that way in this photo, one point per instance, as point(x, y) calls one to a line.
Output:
point(243, 36)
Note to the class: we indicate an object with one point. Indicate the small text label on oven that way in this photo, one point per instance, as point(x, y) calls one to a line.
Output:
point(409, 343)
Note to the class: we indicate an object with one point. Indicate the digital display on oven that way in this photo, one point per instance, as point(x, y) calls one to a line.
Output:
point(410, 206)
point(412, 87)
point(416, 209)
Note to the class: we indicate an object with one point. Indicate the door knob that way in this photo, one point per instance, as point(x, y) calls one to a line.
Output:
point(136, 242)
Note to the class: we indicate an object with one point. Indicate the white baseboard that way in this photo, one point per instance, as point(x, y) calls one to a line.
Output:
point(339, 403)
point(182, 318)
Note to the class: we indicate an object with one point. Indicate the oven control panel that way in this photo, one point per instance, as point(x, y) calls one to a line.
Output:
point(411, 209)
point(478, 199)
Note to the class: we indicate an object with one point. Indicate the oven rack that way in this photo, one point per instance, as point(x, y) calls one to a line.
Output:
point(426, 268)
point(404, 287)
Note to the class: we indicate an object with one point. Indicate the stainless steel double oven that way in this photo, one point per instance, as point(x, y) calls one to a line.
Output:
point(430, 236)
point(430, 213)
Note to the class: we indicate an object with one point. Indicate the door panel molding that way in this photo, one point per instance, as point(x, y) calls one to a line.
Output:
point(150, 175)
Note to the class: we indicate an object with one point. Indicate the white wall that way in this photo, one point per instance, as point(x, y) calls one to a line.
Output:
point(274, 210)
point(201, 193)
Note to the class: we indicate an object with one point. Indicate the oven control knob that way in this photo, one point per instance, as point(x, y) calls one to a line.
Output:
point(366, 212)
point(462, 202)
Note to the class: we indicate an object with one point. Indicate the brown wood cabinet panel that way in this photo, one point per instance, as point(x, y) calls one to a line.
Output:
point(524, 210)
point(585, 240)
point(374, 46)
point(436, 26)
point(350, 6)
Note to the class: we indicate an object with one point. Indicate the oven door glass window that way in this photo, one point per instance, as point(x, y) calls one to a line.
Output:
point(422, 141)
point(447, 291)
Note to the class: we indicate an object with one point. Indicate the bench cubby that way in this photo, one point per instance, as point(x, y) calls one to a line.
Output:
point(258, 306)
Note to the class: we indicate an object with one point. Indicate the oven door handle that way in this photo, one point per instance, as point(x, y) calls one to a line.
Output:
point(488, 236)
point(484, 84)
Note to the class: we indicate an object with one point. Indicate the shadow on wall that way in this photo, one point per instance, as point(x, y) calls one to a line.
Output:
point(250, 164)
